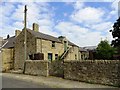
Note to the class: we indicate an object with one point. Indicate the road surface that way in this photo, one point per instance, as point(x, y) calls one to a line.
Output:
point(11, 80)
point(15, 83)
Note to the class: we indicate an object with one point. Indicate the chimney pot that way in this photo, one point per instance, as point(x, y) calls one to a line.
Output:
point(8, 36)
point(36, 27)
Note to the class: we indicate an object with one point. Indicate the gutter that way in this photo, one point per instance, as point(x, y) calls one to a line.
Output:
point(3, 45)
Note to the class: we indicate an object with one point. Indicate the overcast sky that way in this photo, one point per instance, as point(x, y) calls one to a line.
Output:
point(83, 23)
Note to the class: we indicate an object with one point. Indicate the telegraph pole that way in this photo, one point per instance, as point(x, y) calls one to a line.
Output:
point(25, 39)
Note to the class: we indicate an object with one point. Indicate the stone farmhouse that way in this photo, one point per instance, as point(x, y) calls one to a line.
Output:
point(1, 39)
point(84, 53)
point(92, 51)
point(7, 53)
point(51, 48)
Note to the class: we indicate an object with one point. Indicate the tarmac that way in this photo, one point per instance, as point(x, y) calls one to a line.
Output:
point(54, 82)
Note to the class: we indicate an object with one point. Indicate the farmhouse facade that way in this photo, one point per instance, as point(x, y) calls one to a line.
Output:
point(52, 48)
point(7, 53)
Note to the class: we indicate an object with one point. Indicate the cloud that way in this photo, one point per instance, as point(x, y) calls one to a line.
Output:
point(18, 25)
point(88, 15)
point(104, 26)
point(7, 9)
point(18, 13)
point(25, 0)
point(47, 30)
point(45, 22)
point(115, 4)
point(14, 17)
point(115, 8)
point(78, 5)
point(79, 35)
point(85, 26)
point(69, 27)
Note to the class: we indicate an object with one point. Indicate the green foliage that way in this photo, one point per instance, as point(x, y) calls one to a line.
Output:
point(104, 50)
point(116, 36)
point(116, 33)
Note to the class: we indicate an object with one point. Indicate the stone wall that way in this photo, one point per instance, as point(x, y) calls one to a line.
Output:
point(44, 68)
point(7, 59)
point(36, 67)
point(20, 50)
point(1, 41)
point(73, 54)
point(0, 61)
point(45, 46)
point(99, 71)
point(56, 68)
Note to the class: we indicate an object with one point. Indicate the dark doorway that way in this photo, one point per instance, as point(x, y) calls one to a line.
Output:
point(50, 56)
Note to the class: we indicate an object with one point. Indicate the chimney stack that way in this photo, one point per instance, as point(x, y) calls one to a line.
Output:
point(35, 27)
point(8, 36)
point(17, 32)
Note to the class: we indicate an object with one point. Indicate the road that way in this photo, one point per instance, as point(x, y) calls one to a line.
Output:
point(11, 80)
point(15, 83)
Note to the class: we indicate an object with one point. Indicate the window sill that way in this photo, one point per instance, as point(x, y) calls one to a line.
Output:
point(53, 48)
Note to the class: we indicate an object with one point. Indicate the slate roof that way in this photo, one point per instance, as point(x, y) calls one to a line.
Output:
point(10, 43)
point(47, 37)
point(82, 49)
point(43, 36)
point(90, 47)
point(11, 40)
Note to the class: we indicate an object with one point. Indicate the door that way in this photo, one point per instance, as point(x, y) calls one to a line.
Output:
point(50, 56)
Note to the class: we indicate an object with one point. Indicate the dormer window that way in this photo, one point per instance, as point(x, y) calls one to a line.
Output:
point(53, 43)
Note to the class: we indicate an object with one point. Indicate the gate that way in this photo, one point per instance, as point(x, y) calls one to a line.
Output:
point(56, 68)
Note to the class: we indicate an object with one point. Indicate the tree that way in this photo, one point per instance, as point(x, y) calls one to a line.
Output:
point(104, 50)
point(116, 36)
point(116, 33)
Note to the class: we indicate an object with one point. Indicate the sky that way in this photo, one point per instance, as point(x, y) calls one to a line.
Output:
point(82, 22)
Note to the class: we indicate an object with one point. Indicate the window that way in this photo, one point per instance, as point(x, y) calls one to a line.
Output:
point(56, 56)
point(65, 45)
point(53, 43)
point(75, 56)
point(82, 57)
point(50, 56)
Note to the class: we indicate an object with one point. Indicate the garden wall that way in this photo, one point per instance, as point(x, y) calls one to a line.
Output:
point(98, 71)
point(37, 67)
point(56, 68)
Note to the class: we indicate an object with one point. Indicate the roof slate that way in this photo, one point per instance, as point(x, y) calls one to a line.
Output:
point(47, 37)
point(43, 36)
point(83, 50)
point(11, 42)
point(90, 47)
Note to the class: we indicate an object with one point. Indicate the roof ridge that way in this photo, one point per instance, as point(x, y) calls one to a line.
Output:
point(47, 36)
point(42, 33)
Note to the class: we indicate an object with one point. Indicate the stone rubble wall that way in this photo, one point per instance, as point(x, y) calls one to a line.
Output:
point(36, 67)
point(99, 71)
point(20, 49)
point(7, 59)
point(56, 68)
point(105, 72)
